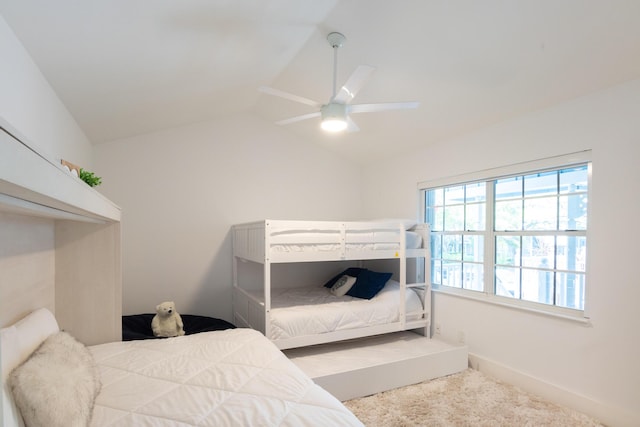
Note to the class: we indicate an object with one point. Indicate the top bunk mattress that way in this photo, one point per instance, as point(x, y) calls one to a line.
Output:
point(293, 241)
point(309, 241)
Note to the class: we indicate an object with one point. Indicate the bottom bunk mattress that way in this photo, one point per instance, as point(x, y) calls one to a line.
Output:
point(304, 311)
point(234, 377)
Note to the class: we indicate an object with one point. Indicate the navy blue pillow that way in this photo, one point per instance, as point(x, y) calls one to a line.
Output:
point(368, 284)
point(351, 271)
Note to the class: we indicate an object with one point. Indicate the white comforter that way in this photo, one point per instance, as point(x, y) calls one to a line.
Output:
point(314, 310)
point(234, 377)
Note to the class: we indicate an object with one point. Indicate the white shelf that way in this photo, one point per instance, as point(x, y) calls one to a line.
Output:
point(33, 184)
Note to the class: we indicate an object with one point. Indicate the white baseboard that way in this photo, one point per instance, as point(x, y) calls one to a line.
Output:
point(606, 413)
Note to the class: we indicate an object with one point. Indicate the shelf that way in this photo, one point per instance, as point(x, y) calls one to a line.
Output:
point(32, 184)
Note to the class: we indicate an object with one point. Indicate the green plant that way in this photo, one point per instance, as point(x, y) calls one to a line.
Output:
point(90, 178)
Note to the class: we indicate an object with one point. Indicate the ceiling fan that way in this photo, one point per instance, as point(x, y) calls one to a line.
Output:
point(335, 113)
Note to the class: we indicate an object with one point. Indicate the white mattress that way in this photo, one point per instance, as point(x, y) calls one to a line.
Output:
point(379, 240)
point(234, 377)
point(314, 310)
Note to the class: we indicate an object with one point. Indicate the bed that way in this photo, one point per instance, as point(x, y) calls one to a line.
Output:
point(220, 378)
point(308, 313)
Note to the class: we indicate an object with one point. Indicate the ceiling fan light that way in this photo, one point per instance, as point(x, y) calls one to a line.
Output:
point(334, 117)
point(333, 125)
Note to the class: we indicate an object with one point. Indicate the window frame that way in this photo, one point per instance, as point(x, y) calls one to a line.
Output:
point(487, 176)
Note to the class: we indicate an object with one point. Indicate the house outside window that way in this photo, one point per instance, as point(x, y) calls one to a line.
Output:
point(517, 235)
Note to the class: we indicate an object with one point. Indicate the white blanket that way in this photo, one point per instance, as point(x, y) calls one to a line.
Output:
point(314, 310)
point(367, 242)
point(234, 377)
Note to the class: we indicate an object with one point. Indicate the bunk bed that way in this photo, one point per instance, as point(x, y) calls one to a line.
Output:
point(308, 313)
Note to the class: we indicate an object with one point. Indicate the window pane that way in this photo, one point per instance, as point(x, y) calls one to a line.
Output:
point(541, 213)
point(573, 212)
point(538, 251)
point(452, 274)
point(508, 215)
point(571, 253)
point(454, 195)
point(473, 249)
point(476, 217)
point(473, 277)
point(435, 217)
point(452, 247)
point(436, 245)
point(436, 272)
point(508, 282)
point(454, 218)
point(476, 192)
point(570, 290)
point(508, 188)
point(435, 197)
point(537, 286)
point(541, 183)
point(508, 250)
point(575, 179)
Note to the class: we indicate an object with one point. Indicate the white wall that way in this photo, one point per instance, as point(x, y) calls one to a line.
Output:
point(600, 362)
point(181, 190)
point(31, 106)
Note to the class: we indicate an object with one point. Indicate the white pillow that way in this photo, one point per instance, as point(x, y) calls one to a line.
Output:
point(17, 342)
point(342, 285)
point(57, 385)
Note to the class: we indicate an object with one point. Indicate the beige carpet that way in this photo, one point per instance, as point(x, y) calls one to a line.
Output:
point(468, 398)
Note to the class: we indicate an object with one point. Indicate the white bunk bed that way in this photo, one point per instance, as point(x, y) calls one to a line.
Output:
point(302, 316)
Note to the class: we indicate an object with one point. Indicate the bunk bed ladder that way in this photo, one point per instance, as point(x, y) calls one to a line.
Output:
point(420, 277)
point(403, 278)
point(267, 283)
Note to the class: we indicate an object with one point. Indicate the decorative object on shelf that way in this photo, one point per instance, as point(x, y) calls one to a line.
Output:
point(90, 178)
point(70, 167)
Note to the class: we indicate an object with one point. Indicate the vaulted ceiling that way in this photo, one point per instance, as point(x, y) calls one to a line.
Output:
point(127, 67)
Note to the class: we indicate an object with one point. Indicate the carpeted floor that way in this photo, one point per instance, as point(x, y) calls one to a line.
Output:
point(468, 398)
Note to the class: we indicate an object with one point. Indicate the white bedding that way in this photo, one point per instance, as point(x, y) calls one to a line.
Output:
point(310, 242)
point(314, 310)
point(234, 377)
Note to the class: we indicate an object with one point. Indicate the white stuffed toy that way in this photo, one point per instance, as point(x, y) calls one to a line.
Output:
point(167, 322)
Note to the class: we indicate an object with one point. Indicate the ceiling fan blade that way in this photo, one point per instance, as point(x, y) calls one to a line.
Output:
point(351, 125)
point(298, 118)
point(289, 96)
point(383, 106)
point(353, 85)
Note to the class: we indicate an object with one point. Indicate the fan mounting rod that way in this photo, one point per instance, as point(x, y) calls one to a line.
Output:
point(336, 40)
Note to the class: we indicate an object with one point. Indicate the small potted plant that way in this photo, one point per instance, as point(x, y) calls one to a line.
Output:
point(90, 178)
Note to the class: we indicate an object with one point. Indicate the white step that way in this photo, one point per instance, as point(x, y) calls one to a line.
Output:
point(366, 366)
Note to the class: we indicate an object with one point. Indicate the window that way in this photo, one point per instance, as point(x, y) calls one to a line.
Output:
point(518, 234)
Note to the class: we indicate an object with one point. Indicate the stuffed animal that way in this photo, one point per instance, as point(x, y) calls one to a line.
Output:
point(167, 322)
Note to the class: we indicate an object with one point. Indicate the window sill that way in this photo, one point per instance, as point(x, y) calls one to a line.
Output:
point(578, 317)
